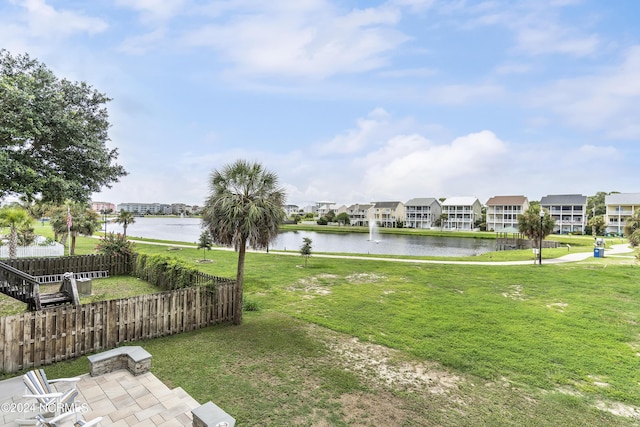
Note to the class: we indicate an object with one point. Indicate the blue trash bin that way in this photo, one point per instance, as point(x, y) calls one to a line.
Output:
point(598, 253)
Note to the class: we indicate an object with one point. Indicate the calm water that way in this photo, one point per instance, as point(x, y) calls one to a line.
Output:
point(189, 229)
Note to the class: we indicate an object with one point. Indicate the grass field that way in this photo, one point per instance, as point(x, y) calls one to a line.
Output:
point(367, 342)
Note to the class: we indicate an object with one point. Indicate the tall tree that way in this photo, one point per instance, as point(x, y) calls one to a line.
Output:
point(125, 218)
point(15, 218)
point(595, 204)
point(343, 218)
point(53, 134)
point(529, 224)
point(83, 221)
point(244, 207)
point(598, 225)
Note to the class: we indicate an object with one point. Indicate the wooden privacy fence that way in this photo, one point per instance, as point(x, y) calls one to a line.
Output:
point(39, 338)
point(115, 264)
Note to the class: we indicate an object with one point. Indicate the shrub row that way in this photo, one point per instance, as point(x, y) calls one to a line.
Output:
point(166, 272)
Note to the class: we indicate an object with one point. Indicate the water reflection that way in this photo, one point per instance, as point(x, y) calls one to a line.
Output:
point(189, 229)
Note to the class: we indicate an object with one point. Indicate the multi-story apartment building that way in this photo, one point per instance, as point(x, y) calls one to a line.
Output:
point(291, 209)
point(387, 214)
point(102, 207)
point(461, 213)
point(503, 212)
point(323, 208)
point(359, 214)
point(421, 212)
point(568, 210)
point(146, 208)
point(620, 207)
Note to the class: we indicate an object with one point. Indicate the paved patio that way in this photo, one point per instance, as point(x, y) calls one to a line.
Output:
point(121, 398)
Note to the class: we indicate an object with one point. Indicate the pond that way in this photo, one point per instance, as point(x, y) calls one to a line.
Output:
point(189, 229)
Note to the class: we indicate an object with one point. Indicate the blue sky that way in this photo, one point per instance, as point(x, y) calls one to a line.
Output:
point(354, 101)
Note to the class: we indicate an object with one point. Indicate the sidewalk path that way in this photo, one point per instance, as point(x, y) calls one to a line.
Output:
point(571, 257)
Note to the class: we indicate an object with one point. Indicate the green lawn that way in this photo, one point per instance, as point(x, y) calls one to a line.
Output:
point(364, 342)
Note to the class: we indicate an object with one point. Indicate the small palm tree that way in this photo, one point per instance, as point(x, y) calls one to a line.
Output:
point(631, 229)
point(245, 207)
point(14, 218)
point(529, 224)
point(125, 218)
point(83, 221)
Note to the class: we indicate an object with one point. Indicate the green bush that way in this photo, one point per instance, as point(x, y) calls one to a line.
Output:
point(115, 244)
point(165, 272)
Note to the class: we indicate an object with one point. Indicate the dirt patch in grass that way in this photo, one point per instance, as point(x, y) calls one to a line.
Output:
point(380, 364)
point(364, 278)
point(515, 293)
point(619, 409)
point(560, 306)
point(372, 409)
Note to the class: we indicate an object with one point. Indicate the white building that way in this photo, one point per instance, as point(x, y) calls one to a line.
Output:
point(568, 210)
point(503, 212)
point(461, 213)
point(620, 207)
point(422, 212)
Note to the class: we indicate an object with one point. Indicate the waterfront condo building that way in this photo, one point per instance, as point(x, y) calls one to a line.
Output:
point(620, 207)
point(503, 212)
point(568, 210)
point(422, 212)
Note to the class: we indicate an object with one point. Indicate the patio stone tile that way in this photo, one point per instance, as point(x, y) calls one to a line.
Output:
point(144, 423)
point(147, 401)
point(157, 419)
point(150, 412)
point(171, 423)
point(124, 412)
point(123, 400)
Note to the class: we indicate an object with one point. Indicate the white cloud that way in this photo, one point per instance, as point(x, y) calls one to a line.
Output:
point(357, 139)
point(409, 72)
point(313, 40)
point(599, 153)
point(539, 38)
point(411, 165)
point(606, 101)
point(537, 27)
point(45, 21)
point(154, 11)
point(142, 43)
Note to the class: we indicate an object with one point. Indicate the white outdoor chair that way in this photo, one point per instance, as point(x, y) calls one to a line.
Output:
point(49, 398)
point(60, 420)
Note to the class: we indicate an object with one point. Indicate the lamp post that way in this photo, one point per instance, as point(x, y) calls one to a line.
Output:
point(540, 238)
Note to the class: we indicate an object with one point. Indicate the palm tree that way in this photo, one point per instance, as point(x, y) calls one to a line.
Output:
point(529, 224)
point(631, 229)
point(125, 218)
point(245, 207)
point(14, 218)
point(84, 221)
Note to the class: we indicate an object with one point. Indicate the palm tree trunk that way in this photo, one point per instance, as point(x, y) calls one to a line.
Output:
point(237, 300)
point(72, 250)
point(13, 243)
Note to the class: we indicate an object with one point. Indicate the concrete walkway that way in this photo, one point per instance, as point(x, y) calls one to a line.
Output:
point(122, 399)
point(570, 257)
